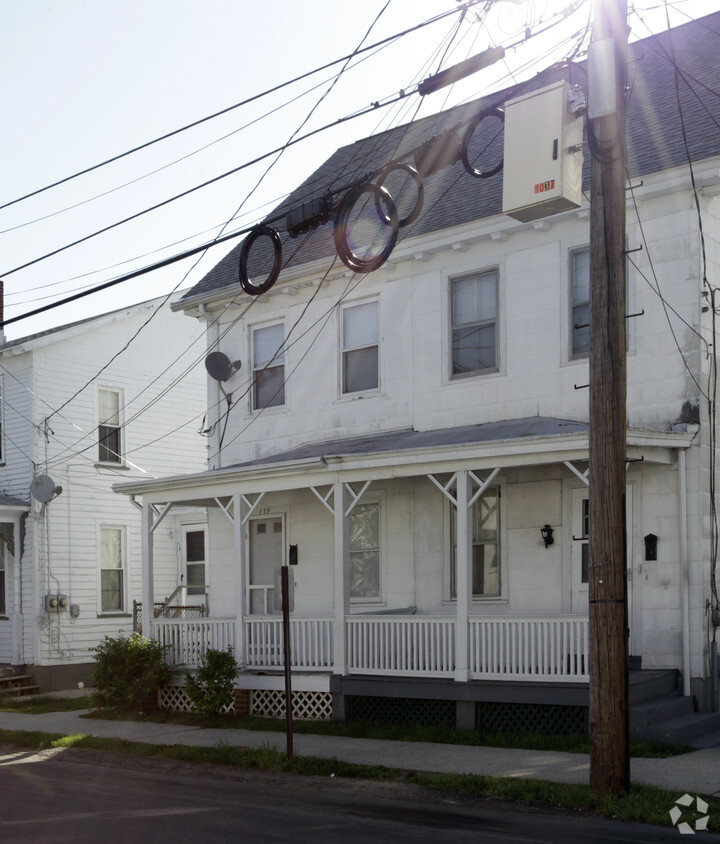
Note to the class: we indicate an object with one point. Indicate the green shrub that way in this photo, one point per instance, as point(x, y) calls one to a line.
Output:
point(210, 690)
point(127, 672)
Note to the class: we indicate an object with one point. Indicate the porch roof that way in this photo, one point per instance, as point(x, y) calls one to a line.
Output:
point(509, 443)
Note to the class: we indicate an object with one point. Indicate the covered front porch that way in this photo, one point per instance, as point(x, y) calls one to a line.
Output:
point(412, 555)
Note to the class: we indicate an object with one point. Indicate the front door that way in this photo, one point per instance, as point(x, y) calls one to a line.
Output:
point(194, 562)
point(580, 552)
point(266, 557)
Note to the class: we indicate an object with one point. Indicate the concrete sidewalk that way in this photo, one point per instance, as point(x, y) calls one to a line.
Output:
point(695, 773)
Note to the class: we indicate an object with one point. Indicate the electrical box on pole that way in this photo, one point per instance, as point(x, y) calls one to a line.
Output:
point(543, 155)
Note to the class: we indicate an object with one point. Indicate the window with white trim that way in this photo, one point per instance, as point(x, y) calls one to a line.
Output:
point(360, 348)
point(580, 303)
point(112, 569)
point(109, 442)
point(194, 552)
point(3, 577)
point(473, 317)
point(485, 560)
point(268, 357)
point(364, 527)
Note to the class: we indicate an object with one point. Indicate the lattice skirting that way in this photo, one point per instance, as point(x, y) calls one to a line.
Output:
point(307, 706)
point(175, 699)
point(400, 710)
point(538, 718)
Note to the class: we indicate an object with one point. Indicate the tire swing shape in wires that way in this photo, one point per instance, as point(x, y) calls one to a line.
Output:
point(415, 176)
point(256, 232)
point(340, 227)
point(467, 136)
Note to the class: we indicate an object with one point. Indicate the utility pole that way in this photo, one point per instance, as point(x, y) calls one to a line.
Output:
point(608, 612)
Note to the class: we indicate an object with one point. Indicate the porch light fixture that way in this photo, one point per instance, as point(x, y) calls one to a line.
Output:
point(547, 534)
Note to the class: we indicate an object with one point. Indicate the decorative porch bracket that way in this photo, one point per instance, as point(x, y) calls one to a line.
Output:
point(354, 497)
point(159, 515)
point(251, 506)
point(584, 476)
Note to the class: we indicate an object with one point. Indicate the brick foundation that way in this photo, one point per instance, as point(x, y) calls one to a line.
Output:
point(241, 703)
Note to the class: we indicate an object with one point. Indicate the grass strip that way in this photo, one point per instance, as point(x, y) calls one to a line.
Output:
point(644, 804)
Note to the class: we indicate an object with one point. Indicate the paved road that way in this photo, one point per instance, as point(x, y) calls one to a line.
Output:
point(46, 799)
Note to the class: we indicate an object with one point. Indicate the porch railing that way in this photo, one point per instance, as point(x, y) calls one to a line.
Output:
point(411, 646)
point(311, 644)
point(187, 640)
point(529, 648)
point(543, 648)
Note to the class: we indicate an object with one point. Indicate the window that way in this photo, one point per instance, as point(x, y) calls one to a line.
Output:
point(365, 552)
point(485, 547)
point(580, 311)
point(268, 366)
point(109, 426)
point(194, 556)
point(3, 571)
point(2, 421)
point(112, 570)
point(360, 356)
point(474, 323)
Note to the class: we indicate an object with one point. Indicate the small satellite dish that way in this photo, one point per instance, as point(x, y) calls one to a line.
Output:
point(220, 367)
point(44, 488)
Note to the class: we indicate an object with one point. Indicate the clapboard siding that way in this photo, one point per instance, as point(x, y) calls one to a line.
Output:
point(42, 376)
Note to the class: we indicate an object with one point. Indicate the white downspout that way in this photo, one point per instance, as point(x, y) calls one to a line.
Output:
point(684, 571)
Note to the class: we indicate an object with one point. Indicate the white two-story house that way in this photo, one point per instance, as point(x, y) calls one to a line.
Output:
point(119, 395)
point(412, 442)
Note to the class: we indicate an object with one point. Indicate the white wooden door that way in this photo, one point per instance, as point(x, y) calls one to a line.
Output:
point(266, 557)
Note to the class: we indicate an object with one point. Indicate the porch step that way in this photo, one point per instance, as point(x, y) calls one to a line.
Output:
point(685, 729)
point(659, 712)
point(17, 685)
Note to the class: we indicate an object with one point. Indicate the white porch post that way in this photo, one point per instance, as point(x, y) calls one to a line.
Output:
point(341, 587)
point(18, 655)
point(241, 567)
point(463, 576)
point(148, 591)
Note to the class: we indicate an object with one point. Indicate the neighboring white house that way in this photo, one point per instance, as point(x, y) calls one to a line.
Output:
point(114, 396)
point(400, 438)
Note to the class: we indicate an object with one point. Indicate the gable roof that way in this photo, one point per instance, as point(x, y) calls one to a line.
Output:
point(661, 102)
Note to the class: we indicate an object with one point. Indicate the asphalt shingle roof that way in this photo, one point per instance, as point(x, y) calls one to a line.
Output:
point(660, 103)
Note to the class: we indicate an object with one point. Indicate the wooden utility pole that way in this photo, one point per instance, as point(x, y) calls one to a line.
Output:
point(608, 615)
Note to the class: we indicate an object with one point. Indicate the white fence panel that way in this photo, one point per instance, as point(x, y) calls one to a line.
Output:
point(310, 643)
point(187, 640)
point(416, 646)
point(554, 649)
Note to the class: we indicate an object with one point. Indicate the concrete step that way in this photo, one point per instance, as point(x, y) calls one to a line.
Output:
point(683, 729)
point(650, 712)
point(650, 684)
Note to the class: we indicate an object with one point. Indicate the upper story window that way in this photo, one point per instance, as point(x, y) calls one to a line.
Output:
point(580, 302)
point(360, 349)
point(473, 310)
point(109, 445)
point(268, 357)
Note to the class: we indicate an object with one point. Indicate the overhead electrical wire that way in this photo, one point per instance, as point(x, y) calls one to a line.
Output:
point(313, 297)
point(244, 102)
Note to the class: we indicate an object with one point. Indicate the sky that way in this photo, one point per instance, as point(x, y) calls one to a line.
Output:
point(83, 81)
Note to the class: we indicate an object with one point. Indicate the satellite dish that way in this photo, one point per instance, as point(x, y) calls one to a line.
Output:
point(220, 367)
point(44, 488)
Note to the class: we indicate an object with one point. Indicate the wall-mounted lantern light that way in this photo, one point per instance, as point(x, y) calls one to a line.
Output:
point(547, 535)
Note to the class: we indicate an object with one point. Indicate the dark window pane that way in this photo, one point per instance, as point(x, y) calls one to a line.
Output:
point(195, 546)
point(360, 370)
point(584, 563)
point(581, 335)
point(2, 592)
point(109, 444)
point(111, 590)
point(473, 348)
point(269, 390)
